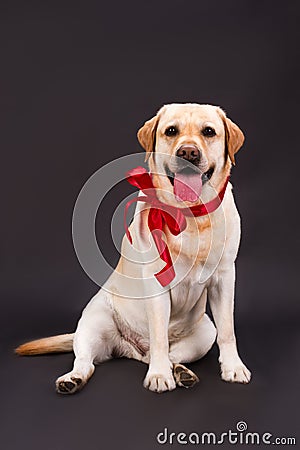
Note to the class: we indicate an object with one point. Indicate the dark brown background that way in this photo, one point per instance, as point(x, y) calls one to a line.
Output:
point(77, 80)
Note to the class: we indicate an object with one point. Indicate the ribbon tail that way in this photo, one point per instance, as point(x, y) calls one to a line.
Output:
point(128, 204)
point(165, 276)
point(125, 221)
point(167, 273)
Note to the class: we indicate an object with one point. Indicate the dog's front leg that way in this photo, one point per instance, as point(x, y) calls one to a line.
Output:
point(221, 299)
point(159, 377)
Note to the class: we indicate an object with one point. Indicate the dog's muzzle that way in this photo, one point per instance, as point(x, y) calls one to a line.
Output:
point(188, 161)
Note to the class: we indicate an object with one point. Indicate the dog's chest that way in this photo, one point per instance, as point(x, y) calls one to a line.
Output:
point(193, 246)
point(185, 297)
point(196, 253)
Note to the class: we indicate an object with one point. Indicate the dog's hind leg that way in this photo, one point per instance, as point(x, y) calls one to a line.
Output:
point(191, 348)
point(195, 345)
point(93, 342)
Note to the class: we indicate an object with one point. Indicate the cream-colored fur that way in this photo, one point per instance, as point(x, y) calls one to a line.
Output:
point(166, 327)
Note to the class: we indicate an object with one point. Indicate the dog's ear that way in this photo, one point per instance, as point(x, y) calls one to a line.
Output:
point(234, 137)
point(146, 136)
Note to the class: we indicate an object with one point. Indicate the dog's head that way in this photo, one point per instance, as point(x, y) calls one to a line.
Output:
point(190, 149)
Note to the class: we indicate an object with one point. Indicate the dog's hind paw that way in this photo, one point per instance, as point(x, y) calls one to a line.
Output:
point(68, 384)
point(184, 377)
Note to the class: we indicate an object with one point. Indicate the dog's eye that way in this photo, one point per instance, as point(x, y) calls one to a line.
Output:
point(208, 132)
point(171, 131)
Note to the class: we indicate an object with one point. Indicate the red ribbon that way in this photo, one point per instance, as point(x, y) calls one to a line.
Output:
point(161, 214)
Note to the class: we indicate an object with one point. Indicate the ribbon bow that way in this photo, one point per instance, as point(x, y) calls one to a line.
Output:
point(161, 214)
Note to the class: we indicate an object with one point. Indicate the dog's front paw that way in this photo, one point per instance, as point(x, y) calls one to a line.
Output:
point(235, 372)
point(159, 382)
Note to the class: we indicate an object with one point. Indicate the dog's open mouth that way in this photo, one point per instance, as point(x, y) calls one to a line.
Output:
point(187, 183)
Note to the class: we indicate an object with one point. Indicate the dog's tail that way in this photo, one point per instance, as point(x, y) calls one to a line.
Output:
point(54, 344)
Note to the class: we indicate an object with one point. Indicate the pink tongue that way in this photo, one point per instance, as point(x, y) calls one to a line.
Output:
point(187, 187)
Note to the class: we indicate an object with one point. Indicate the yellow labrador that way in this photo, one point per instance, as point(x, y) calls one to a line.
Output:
point(190, 149)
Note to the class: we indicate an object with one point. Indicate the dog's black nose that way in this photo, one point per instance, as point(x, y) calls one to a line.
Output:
point(189, 152)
